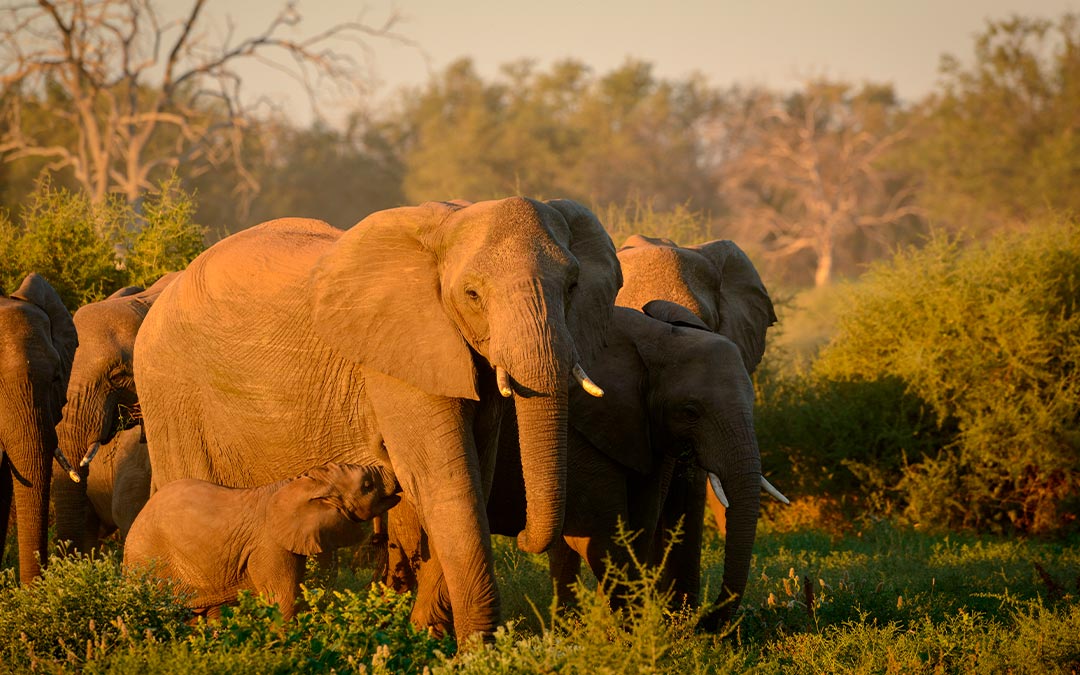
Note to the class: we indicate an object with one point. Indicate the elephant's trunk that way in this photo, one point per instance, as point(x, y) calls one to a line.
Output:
point(31, 470)
point(85, 422)
point(542, 434)
point(740, 474)
point(539, 362)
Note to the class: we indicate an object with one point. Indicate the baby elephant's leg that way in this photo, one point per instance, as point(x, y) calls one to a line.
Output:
point(276, 575)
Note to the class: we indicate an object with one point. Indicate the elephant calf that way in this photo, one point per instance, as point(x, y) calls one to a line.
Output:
point(215, 541)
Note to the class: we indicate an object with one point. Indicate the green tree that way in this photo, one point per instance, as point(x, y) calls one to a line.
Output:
point(615, 139)
point(1000, 143)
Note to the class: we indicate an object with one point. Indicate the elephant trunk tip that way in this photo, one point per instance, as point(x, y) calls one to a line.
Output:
point(532, 544)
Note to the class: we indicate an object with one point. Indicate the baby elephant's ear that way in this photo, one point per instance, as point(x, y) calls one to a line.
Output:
point(306, 513)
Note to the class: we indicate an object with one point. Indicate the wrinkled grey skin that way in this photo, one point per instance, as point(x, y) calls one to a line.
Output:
point(101, 401)
point(717, 283)
point(293, 343)
point(215, 541)
point(37, 344)
point(118, 484)
point(675, 394)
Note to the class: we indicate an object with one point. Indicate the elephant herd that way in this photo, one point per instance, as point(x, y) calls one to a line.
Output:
point(497, 365)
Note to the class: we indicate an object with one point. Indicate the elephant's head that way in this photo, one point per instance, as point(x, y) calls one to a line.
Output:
point(101, 399)
point(443, 293)
point(37, 345)
point(320, 510)
point(716, 281)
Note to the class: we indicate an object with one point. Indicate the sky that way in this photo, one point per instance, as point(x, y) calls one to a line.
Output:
point(775, 43)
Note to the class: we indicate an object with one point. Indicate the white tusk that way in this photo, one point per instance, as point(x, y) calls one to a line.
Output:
point(66, 466)
point(503, 380)
point(94, 447)
point(718, 490)
point(588, 385)
point(773, 492)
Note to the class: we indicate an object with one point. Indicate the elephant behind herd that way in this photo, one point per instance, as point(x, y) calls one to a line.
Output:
point(439, 342)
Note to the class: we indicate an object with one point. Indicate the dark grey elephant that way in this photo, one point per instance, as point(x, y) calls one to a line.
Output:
point(293, 344)
point(101, 401)
point(37, 344)
point(676, 395)
point(719, 285)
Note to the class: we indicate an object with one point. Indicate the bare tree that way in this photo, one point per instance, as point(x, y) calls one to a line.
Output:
point(115, 91)
point(807, 171)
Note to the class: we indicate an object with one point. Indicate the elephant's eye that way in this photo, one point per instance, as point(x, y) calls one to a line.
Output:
point(688, 414)
point(367, 485)
point(471, 294)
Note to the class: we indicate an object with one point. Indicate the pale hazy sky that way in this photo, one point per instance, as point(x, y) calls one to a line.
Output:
point(776, 43)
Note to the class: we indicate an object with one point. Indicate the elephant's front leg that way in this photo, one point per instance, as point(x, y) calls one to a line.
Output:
point(276, 574)
point(429, 441)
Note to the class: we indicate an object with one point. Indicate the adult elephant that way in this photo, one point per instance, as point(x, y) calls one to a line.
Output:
point(293, 344)
point(101, 401)
point(37, 344)
point(719, 285)
point(676, 394)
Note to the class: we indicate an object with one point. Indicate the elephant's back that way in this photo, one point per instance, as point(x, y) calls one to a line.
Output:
point(261, 262)
point(183, 519)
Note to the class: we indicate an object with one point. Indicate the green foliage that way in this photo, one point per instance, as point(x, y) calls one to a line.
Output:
point(998, 142)
point(681, 224)
point(989, 338)
point(86, 250)
point(68, 240)
point(79, 609)
point(884, 599)
point(165, 239)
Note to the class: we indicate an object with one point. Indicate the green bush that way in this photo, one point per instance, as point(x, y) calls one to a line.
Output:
point(80, 608)
point(88, 250)
point(988, 337)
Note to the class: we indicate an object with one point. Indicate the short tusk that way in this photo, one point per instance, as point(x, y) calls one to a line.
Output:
point(773, 492)
point(94, 447)
point(503, 380)
point(66, 466)
point(588, 385)
point(718, 490)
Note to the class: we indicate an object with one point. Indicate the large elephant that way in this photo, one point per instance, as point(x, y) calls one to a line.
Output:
point(293, 344)
point(37, 345)
point(101, 401)
point(676, 394)
point(718, 284)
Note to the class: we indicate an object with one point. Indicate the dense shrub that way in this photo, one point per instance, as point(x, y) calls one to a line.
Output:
point(88, 250)
point(80, 608)
point(988, 337)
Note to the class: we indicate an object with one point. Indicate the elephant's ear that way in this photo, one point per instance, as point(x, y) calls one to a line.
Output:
point(141, 302)
point(617, 424)
point(125, 292)
point(639, 240)
point(377, 302)
point(673, 313)
point(744, 307)
point(599, 277)
point(306, 515)
point(65, 340)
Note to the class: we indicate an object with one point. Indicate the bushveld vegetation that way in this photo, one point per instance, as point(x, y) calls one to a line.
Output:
point(927, 445)
point(923, 416)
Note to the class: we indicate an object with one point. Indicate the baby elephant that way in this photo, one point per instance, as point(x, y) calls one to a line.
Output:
point(216, 541)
